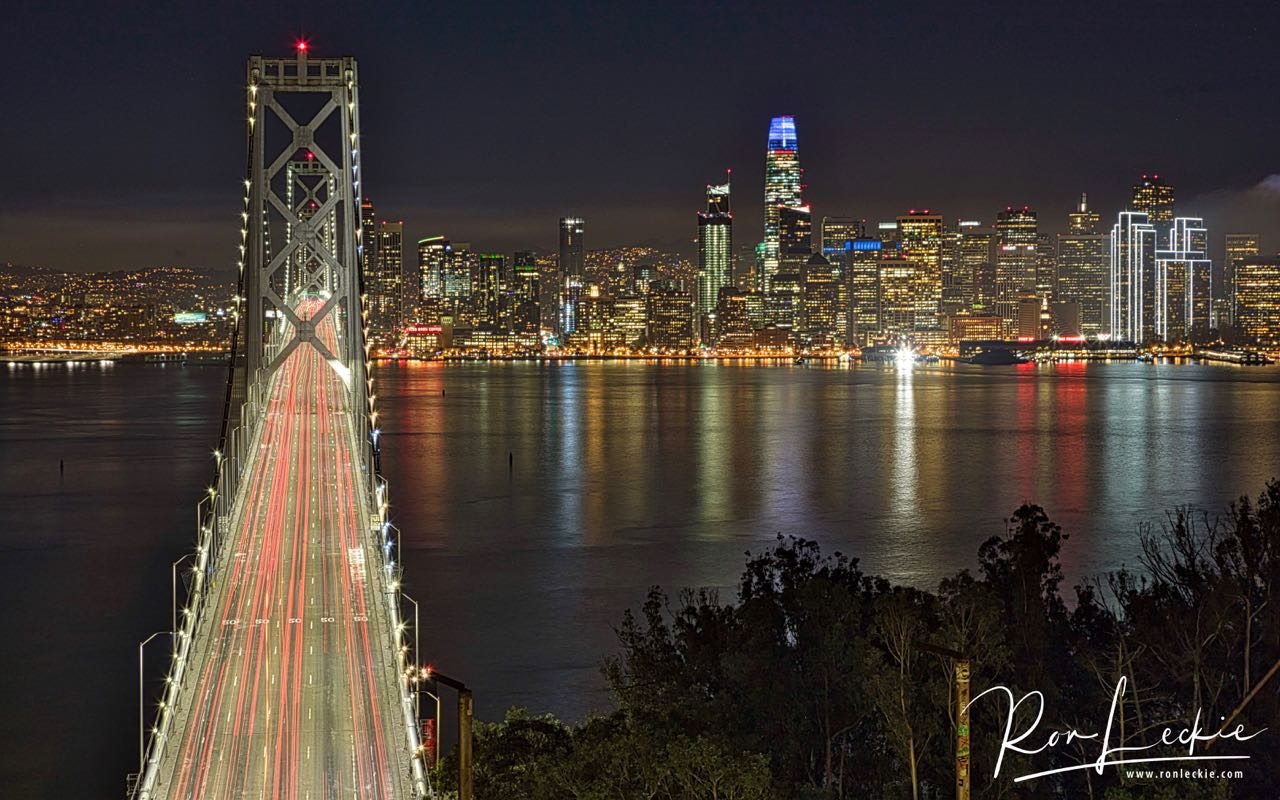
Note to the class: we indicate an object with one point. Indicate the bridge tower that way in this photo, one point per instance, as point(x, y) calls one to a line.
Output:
point(301, 232)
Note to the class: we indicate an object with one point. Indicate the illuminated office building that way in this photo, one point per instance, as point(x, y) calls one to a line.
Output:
point(386, 310)
point(1084, 268)
point(1082, 221)
point(1153, 197)
point(630, 321)
point(670, 312)
point(733, 321)
point(526, 293)
point(1238, 246)
point(863, 280)
point(1046, 268)
point(1016, 240)
point(896, 302)
point(433, 257)
point(486, 283)
point(1183, 281)
point(715, 257)
point(836, 234)
point(570, 270)
point(968, 276)
point(368, 239)
point(1258, 299)
point(795, 237)
point(825, 315)
point(782, 189)
point(784, 301)
point(1132, 278)
point(920, 234)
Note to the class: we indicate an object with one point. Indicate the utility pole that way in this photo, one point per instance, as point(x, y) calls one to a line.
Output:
point(960, 683)
point(466, 708)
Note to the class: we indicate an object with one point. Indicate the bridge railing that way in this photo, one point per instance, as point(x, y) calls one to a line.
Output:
point(213, 515)
point(387, 537)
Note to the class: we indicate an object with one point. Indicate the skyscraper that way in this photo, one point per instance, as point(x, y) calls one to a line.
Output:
point(896, 301)
point(824, 319)
point(782, 189)
point(368, 239)
point(1238, 246)
point(715, 257)
point(1183, 281)
point(1082, 221)
point(1258, 299)
point(1083, 269)
point(486, 280)
point(863, 280)
point(1016, 243)
point(571, 268)
point(431, 260)
point(386, 312)
point(921, 236)
point(1153, 197)
point(526, 293)
point(1132, 289)
point(835, 236)
point(795, 237)
point(967, 271)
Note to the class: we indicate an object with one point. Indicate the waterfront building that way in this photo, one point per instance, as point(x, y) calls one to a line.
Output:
point(920, 234)
point(670, 316)
point(825, 322)
point(834, 239)
point(1016, 240)
point(1258, 299)
point(985, 327)
point(1183, 281)
point(384, 292)
point(1083, 255)
point(715, 257)
point(784, 301)
point(486, 283)
point(571, 270)
point(733, 322)
point(782, 189)
point(1132, 278)
point(1046, 268)
point(526, 292)
point(972, 282)
point(368, 239)
point(630, 321)
point(897, 306)
point(1237, 247)
point(863, 280)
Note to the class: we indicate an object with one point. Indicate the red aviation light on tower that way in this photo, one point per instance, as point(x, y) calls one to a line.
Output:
point(302, 45)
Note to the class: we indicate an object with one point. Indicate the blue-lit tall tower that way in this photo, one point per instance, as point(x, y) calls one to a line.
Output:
point(782, 189)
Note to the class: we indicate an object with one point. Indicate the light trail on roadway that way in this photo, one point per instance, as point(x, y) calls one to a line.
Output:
point(292, 681)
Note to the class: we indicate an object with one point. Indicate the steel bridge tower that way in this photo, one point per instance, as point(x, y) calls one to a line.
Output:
point(301, 232)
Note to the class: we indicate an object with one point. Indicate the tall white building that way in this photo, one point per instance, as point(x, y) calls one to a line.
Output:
point(715, 258)
point(1133, 263)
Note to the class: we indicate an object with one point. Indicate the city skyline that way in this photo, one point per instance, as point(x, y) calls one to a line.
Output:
point(625, 161)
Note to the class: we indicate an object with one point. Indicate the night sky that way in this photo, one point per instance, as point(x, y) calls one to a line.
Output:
point(124, 145)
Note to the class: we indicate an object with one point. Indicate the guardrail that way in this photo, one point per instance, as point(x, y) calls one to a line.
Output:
point(213, 514)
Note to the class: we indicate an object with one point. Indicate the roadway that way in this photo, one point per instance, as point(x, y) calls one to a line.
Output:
point(291, 690)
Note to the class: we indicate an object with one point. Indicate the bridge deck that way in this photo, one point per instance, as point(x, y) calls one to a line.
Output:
point(291, 689)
